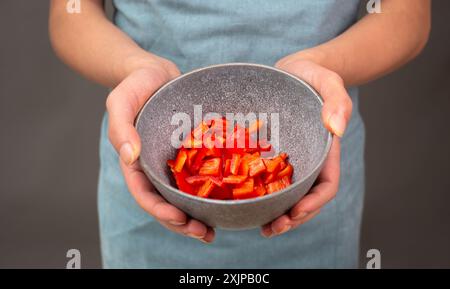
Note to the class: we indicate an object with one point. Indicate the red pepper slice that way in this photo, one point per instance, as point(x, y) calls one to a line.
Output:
point(244, 168)
point(232, 179)
point(210, 167)
point(272, 164)
point(287, 171)
point(256, 167)
point(260, 189)
point(218, 182)
point(270, 177)
point(180, 160)
point(198, 161)
point(196, 180)
point(221, 193)
point(245, 190)
point(286, 181)
point(206, 189)
point(275, 186)
point(226, 171)
point(283, 165)
point(234, 165)
point(180, 179)
point(190, 158)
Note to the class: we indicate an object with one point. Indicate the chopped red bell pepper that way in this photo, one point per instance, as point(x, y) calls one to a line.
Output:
point(198, 160)
point(275, 186)
point(256, 167)
point(210, 167)
point(206, 189)
point(190, 157)
point(171, 164)
point(287, 171)
point(196, 180)
point(260, 189)
point(180, 160)
point(221, 193)
point(180, 179)
point(273, 164)
point(245, 190)
point(232, 179)
point(205, 167)
point(244, 168)
point(227, 169)
point(234, 165)
point(286, 181)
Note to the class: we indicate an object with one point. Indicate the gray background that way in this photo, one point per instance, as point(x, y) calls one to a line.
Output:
point(49, 127)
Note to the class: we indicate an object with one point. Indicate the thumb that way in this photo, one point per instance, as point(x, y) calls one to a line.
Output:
point(337, 106)
point(123, 104)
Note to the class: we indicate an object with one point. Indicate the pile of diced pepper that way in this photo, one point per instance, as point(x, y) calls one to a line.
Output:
point(207, 165)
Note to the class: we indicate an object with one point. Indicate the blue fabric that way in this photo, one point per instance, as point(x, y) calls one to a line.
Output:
point(195, 33)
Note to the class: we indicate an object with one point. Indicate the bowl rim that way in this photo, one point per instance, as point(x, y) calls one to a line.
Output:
point(243, 201)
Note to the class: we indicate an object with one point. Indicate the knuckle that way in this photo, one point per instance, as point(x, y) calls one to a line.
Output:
point(109, 101)
point(280, 63)
point(173, 69)
point(333, 78)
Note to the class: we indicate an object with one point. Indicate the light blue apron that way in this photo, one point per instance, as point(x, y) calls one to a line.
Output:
point(196, 33)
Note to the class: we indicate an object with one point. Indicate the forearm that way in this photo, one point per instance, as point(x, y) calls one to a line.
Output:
point(90, 44)
point(377, 44)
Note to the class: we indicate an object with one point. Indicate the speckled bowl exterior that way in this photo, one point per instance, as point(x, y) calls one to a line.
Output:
point(236, 87)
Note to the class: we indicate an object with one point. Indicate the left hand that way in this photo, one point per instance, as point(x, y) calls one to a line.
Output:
point(336, 113)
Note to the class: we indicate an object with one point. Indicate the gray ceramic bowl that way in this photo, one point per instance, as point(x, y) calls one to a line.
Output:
point(236, 87)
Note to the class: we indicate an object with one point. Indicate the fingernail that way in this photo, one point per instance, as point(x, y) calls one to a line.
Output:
point(204, 241)
point(299, 216)
point(195, 236)
point(176, 223)
point(268, 235)
point(285, 229)
point(337, 124)
point(127, 153)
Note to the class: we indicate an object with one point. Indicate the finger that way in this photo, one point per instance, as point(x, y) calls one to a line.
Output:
point(123, 104)
point(145, 195)
point(193, 229)
point(209, 237)
point(266, 230)
point(296, 224)
point(278, 226)
point(326, 187)
point(337, 107)
point(284, 224)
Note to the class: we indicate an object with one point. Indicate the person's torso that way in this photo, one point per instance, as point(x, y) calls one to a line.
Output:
point(195, 33)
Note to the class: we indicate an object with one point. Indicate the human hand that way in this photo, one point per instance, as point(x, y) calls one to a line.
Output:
point(123, 105)
point(336, 113)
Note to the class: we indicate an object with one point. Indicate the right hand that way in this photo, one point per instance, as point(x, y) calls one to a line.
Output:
point(123, 105)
